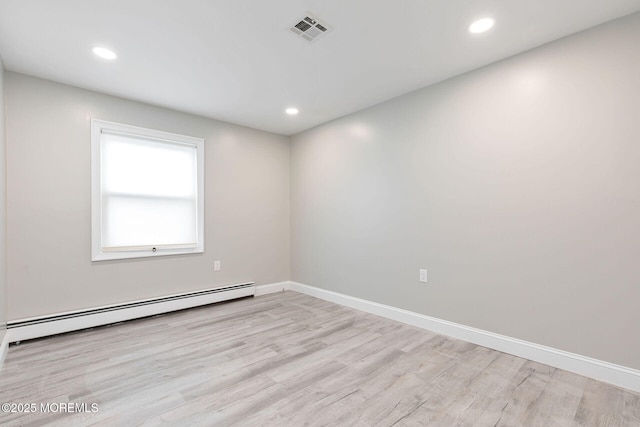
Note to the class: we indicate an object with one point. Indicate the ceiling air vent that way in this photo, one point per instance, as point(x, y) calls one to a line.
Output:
point(309, 28)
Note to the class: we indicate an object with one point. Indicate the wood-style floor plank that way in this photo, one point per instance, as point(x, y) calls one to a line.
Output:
point(288, 359)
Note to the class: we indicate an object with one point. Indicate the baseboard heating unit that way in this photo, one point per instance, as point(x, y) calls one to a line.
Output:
point(42, 326)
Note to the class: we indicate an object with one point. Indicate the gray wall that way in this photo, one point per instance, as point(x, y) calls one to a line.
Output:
point(3, 211)
point(516, 185)
point(49, 204)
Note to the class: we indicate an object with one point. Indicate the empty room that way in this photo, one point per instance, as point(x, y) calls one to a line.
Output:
point(310, 213)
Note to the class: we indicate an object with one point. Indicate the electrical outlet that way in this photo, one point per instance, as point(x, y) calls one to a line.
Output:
point(423, 276)
point(216, 265)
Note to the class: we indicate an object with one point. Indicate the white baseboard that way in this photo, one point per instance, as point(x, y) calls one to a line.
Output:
point(597, 369)
point(4, 346)
point(90, 320)
point(271, 288)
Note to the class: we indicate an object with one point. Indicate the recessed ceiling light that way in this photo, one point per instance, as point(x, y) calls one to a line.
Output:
point(481, 25)
point(104, 53)
point(292, 111)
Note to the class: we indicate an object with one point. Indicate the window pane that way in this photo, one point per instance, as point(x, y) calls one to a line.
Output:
point(147, 221)
point(155, 168)
point(147, 192)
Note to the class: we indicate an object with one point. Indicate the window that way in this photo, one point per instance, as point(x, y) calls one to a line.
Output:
point(147, 192)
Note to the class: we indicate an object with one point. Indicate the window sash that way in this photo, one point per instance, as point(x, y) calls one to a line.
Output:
point(148, 221)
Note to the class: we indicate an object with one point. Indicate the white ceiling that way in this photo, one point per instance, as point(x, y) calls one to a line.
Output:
point(235, 60)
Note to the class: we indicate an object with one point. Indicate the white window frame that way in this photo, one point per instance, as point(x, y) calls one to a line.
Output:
point(98, 253)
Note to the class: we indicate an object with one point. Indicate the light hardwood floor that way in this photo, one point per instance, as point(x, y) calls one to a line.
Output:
point(288, 359)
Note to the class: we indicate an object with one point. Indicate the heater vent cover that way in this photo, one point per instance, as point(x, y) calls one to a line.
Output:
point(309, 28)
